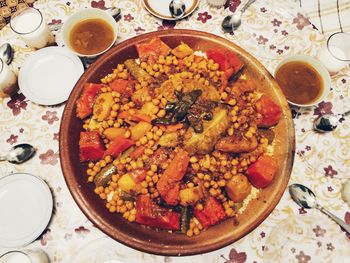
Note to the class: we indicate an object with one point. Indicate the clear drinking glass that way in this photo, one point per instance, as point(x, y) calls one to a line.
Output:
point(335, 55)
point(30, 25)
point(8, 80)
point(25, 256)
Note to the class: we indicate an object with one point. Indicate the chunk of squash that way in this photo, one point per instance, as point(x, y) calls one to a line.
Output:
point(202, 143)
point(112, 133)
point(139, 130)
point(102, 106)
point(182, 50)
point(190, 196)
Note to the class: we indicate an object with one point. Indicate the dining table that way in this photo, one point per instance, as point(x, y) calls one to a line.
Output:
point(270, 31)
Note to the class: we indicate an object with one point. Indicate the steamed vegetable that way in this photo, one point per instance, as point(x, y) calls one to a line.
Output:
point(102, 106)
point(118, 145)
point(151, 214)
point(105, 175)
point(212, 213)
point(169, 182)
point(238, 188)
point(202, 143)
point(262, 172)
point(90, 146)
point(87, 98)
point(270, 112)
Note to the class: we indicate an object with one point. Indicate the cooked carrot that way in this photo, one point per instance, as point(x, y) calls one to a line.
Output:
point(174, 127)
point(137, 152)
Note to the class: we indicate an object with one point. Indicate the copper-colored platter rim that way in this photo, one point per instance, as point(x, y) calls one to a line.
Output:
point(159, 248)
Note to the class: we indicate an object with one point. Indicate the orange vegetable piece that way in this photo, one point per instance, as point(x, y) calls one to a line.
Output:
point(261, 173)
point(168, 184)
point(271, 112)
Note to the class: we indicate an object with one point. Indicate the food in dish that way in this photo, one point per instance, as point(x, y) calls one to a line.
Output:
point(173, 139)
point(91, 36)
point(300, 82)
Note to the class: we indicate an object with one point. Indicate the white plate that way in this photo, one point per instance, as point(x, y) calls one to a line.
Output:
point(48, 76)
point(160, 8)
point(26, 208)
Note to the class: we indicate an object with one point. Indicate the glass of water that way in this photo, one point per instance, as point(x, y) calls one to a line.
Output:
point(335, 55)
point(25, 256)
point(29, 23)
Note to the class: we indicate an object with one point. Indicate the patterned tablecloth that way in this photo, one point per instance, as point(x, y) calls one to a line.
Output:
point(271, 30)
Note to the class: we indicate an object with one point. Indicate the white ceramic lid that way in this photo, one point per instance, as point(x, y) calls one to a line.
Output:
point(48, 76)
point(26, 207)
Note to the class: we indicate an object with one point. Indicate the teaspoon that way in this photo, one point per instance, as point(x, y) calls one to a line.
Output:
point(328, 122)
point(177, 8)
point(231, 23)
point(19, 154)
point(304, 197)
point(6, 53)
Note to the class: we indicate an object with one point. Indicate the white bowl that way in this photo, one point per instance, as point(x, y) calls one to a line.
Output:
point(84, 14)
point(321, 70)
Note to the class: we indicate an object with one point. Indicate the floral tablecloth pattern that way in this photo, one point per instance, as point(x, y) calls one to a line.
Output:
point(271, 30)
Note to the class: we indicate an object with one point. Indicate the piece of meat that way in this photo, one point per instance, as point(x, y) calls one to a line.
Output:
point(236, 144)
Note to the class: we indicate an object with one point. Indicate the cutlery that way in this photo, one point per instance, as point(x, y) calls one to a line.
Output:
point(304, 197)
point(6, 53)
point(19, 154)
point(177, 8)
point(328, 122)
point(232, 22)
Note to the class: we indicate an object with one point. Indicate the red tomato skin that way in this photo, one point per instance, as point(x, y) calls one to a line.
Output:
point(154, 48)
point(261, 173)
point(150, 214)
point(228, 61)
point(270, 111)
point(86, 100)
point(91, 147)
point(212, 213)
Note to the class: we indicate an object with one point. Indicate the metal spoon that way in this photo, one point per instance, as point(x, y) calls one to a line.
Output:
point(304, 197)
point(231, 23)
point(328, 122)
point(6, 53)
point(19, 154)
point(177, 8)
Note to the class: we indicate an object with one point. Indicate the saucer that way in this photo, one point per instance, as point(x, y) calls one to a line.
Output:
point(160, 9)
point(48, 76)
point(26, 207)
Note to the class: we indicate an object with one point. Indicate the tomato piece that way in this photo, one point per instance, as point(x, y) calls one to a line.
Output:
point(118, 145)
point(271, 112)
point(124, 87)
point(154, 48)
point(150, 214)
point(168, 184)
point(90, 146)
point(87, 98)
point(212, 213)
point(261, 173)
point(228, 61)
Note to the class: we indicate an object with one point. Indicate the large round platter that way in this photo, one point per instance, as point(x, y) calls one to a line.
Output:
point(158, 241)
